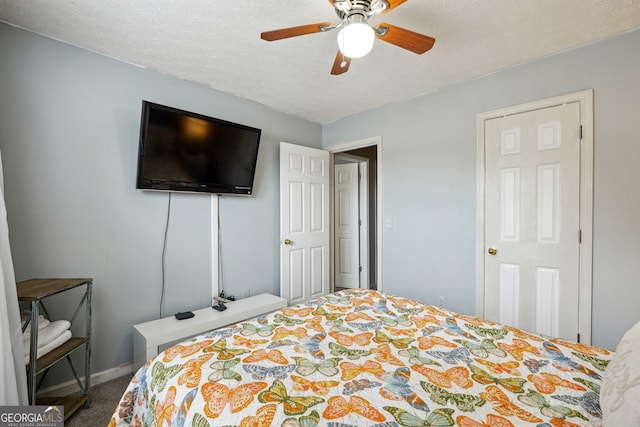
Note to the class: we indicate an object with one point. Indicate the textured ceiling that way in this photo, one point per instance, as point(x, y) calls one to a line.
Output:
point(217, 43)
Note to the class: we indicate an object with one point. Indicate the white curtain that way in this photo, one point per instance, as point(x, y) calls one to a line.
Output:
point(13, 377)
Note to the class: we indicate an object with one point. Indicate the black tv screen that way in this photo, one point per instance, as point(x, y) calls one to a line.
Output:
point(184, 151)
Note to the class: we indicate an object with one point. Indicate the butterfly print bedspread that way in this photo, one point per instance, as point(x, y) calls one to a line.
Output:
point(364, 358)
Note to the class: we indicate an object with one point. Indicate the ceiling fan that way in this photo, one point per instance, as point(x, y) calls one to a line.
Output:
point(356, 35)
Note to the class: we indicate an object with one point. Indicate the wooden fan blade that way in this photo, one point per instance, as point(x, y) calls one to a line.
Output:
point(340, 64)
point(406, 39)
point(285, 33)
point(393, 4)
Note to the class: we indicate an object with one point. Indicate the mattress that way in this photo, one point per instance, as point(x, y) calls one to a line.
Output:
point(364, 358)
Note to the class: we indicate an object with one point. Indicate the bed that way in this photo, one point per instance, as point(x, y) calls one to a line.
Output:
point(364, 358)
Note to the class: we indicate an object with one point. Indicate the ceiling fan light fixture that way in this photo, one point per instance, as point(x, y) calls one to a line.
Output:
point(356, 39)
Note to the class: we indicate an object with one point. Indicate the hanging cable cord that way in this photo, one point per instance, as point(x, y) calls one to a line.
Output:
point(164, 254)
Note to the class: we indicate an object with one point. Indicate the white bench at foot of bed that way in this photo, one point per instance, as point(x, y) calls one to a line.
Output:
point(149, 335)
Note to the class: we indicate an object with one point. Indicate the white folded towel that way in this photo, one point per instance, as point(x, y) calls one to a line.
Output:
point(61, 339)
point(42, 321)
point(47, 334)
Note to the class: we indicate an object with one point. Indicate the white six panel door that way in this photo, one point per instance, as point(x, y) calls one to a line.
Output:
point(532, 220)
point(346, 223)
point(304, 223)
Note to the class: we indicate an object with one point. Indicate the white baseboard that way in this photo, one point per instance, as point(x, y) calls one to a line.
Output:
point(71, 386)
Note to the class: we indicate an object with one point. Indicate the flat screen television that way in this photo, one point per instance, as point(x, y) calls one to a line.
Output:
point(184, 151)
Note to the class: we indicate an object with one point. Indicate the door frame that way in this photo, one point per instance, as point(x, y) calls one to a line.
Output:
point(348, 146)
point(363, 215)
point(585, 274)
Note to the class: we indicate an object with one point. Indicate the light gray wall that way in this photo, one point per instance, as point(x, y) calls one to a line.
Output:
point(69, 124)
point(429, 177)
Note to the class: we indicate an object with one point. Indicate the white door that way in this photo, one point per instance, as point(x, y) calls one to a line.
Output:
point(532, 220)
point(346, 226)
point(304, 223)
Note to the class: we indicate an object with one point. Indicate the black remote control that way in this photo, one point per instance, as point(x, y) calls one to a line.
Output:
point(184, 315)
point(220, 306)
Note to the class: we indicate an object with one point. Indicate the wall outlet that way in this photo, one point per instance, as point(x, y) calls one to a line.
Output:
point(442, 301)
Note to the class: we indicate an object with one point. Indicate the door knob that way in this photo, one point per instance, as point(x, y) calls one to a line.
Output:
point(287, 242)
point(492, 251)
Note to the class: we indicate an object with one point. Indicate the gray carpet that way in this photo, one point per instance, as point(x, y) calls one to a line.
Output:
point(103, 399)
